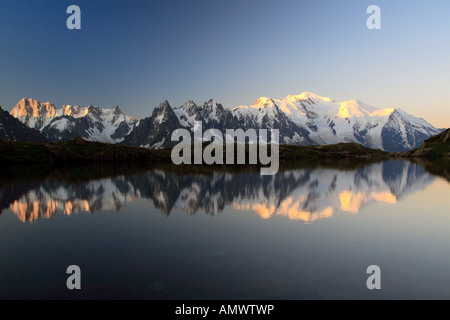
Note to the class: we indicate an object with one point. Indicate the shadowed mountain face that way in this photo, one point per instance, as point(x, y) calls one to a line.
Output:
point(301, 194)
point(13, 129)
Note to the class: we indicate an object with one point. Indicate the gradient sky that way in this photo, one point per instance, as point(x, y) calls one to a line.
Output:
point(138, 53)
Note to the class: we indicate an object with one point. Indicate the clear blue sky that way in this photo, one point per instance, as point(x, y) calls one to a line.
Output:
point(138, 53)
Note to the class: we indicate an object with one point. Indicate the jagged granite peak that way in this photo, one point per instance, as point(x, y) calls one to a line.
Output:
point(212, 104)
point(164, 105)
point(69, 110)
point(33, 113)
point(94, 110)
point(163, 112)
point(33, 107)
point(189, 103)
point(155, 131)
point(190, 107)
point(117, 110)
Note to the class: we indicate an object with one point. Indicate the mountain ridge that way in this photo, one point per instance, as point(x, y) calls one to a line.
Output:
point(92, 122)
point(304, 119)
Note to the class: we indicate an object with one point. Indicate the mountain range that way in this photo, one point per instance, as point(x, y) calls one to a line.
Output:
point(305, 119)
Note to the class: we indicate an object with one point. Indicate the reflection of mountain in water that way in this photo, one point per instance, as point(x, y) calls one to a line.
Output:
point(302, 194)
point(46, 199)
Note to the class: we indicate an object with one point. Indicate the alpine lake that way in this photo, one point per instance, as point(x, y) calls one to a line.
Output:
point(308, 232)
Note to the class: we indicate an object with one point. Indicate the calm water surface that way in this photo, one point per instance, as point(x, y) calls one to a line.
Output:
point(301, 234)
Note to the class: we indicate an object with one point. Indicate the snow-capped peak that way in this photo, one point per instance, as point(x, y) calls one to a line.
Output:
point(306, 96)
point(31, 107)
point(74, 111)
point(263, 102)
point(188, 104)
point(33, 113)
point(164, 105)
point(95, 110)
point(212, 105)
point(189, 107)
point(162, 112)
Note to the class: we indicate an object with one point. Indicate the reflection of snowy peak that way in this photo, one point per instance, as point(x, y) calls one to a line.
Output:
point(92, 123)
point(47, 199)
point(303, 194)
